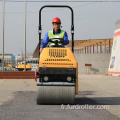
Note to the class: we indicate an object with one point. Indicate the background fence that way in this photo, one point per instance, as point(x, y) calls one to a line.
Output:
point(11, 65)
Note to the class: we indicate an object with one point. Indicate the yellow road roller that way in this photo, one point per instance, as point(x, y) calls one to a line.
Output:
point(20, 67)
point(58, 71)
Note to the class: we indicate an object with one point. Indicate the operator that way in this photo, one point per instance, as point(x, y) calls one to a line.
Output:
point(53, 34)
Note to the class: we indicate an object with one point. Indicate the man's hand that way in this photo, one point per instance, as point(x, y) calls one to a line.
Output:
point(41, 49)
point(61, 40)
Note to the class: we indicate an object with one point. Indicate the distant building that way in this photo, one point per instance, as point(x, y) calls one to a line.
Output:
point(18, 57)
point(6, 56)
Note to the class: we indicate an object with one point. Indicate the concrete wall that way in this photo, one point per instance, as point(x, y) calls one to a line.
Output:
point(99, 61)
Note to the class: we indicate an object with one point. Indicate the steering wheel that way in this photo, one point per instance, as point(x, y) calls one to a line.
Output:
point(56, 42)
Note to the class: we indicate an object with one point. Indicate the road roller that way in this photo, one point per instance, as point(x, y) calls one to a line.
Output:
point(57, 76)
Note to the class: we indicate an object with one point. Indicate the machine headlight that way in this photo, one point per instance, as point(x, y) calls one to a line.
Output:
point(69, 79)
point(46, 78)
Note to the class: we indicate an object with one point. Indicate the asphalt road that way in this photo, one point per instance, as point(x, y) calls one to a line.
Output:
point(18, 101)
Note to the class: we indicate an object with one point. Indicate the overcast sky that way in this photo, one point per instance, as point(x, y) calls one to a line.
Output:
point(92, 21)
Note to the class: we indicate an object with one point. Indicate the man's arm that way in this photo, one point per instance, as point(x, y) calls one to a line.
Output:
point(44, 42)
point(65, 37)
point(41, 48)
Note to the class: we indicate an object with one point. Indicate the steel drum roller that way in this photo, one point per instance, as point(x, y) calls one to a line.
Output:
point(56, 95)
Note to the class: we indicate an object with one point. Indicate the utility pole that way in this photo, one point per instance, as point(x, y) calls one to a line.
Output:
point(25, 36)
point(3, 34)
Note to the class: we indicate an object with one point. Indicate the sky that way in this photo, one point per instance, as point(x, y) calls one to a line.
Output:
point(92, 20)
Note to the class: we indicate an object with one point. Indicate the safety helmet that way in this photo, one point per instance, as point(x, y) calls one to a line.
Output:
point(56, 20)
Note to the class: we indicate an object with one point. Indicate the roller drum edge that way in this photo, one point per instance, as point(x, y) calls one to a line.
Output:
point(56, 95)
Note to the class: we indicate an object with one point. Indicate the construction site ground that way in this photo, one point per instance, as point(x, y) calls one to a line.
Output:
point(18, 100)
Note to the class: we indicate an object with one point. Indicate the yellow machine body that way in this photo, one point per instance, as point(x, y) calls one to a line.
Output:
point(21, 67)
point(9, 65)
point(55, 57)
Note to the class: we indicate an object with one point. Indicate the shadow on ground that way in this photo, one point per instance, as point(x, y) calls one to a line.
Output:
point(82, 99)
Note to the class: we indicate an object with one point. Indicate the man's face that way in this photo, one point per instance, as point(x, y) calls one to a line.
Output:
point(56, 26)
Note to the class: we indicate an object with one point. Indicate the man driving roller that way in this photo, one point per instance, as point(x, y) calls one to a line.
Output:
point(55, 33)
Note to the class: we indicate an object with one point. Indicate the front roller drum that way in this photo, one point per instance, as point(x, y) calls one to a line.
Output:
point(56, 95)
